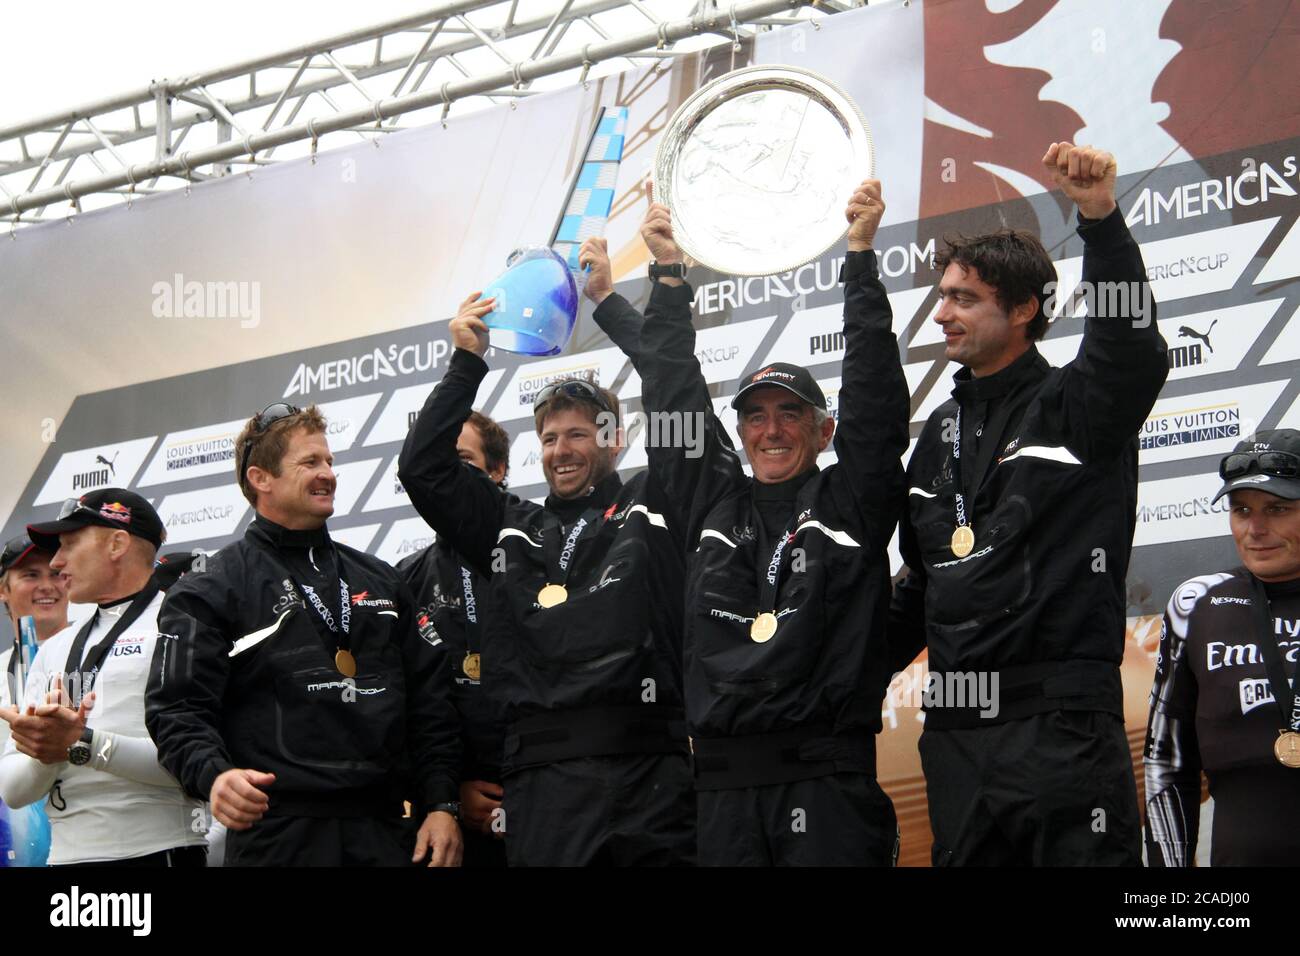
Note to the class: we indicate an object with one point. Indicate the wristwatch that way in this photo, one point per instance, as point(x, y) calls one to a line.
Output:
point(675, 271)
point(453, 808)
point(79, 752)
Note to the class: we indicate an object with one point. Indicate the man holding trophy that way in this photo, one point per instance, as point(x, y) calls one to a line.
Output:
point(787, 571)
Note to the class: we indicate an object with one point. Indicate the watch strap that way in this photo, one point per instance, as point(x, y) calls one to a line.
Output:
point(453, 807)
point(676, 270)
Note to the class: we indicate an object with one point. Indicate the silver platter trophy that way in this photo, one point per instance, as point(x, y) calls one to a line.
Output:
point(757, 166)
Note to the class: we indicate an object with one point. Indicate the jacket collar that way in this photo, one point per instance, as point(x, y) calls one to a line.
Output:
point(600, 497)
point(787, 490)
point(277, 536)
point(1029, 367)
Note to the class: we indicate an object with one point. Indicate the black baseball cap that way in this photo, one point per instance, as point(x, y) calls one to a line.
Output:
point(1268, 461)
point(108, 508)
point(787, 376)
point(15, 550)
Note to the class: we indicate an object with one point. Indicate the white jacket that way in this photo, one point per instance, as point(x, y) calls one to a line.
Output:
point(121, 804)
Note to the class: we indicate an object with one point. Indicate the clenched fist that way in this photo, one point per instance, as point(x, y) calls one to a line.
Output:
point(863, 212)
point(239, 799)
point(1086, 175)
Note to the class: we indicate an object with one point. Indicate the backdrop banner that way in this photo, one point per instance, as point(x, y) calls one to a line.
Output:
point(140, 338)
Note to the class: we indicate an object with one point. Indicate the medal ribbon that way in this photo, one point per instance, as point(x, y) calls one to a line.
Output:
point(560, 558)
point(956, 474)
point(471, 611)
point(769, 577)
point(89, 669)
point(341, 631)
point(996, 426)
point(1273, 658)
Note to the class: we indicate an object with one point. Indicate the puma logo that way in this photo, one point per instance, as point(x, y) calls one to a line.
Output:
point(1187, 332)
point(101, 460)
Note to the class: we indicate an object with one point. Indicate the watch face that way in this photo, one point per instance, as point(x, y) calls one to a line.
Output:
point(79, 754)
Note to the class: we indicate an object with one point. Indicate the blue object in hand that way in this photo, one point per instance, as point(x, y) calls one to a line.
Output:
point(536, 304)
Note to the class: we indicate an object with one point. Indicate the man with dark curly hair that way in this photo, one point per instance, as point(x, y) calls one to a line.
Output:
point(1020, 518)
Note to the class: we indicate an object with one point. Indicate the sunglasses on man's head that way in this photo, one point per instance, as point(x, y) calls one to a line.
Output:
point(71, 506)
point(261, 422)
point(1278, 464)
point(14, 549)
point(573, 389)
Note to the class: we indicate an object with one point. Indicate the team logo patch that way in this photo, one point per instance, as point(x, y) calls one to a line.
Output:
point(287, 600)
point(1254, 692)
point(424, 625)
point(116, 512)
point(770, 372)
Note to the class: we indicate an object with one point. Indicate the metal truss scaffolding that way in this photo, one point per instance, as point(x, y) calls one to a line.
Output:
point(473, 52)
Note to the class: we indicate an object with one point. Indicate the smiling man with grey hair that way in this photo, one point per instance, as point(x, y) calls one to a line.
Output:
point(788, 583)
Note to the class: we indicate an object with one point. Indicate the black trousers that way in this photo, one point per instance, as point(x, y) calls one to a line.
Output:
point(482, 852)
point(625, 810)
point(323, 841)
point(186, 856)
point(1053, 789)
point(843, 819)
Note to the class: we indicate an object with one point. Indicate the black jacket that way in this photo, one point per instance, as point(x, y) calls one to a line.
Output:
point(826, 664)
point(1213, 710)
point(436, 577)
point(246, 677)
point(1049, 458)
point(616, 641)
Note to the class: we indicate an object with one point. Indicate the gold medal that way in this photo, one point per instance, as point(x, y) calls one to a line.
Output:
point(963, 540)
point(552, 595)
point(1287, 748)
point(471, 666)
point(345, 663)
point(763, 628)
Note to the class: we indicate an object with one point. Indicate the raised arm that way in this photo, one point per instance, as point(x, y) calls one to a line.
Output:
point(454, 498)
point(874, 403)
point(691, 457)
point(616, 316)
point(1122, 365)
